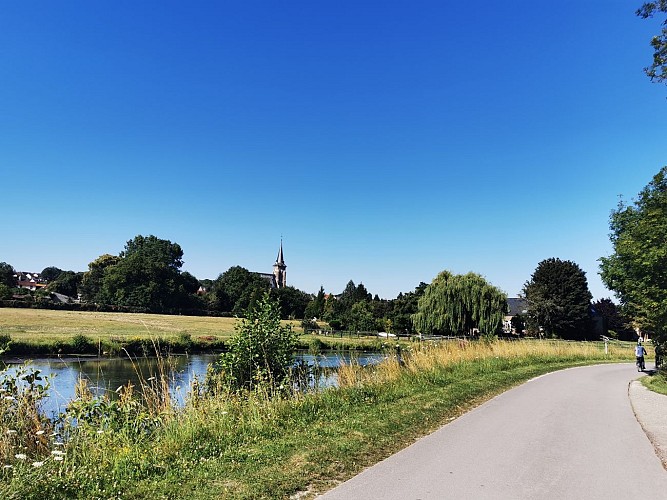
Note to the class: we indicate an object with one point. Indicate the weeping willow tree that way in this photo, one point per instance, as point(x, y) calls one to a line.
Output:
point(458, 304)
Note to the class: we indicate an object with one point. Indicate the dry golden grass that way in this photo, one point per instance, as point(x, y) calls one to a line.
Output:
point(43, 325)
point(430, 356)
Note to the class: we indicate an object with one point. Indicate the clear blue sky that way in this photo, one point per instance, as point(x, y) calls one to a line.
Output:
point(385, 141)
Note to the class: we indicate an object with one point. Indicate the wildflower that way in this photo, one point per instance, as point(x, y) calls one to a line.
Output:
point(21, 456)
point(100, 432)
point(58, 458)
point(11, 431)
point(37, 464)
point(10, 398)
point(59, 443)
point(57, 452)
point(39, 433)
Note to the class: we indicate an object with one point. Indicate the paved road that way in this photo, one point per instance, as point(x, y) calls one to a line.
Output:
point(567, 435)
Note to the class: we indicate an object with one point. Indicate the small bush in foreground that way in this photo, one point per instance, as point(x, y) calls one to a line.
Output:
point(24, 430)
point(260, 353)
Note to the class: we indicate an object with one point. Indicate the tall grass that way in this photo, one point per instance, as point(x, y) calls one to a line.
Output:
point(261, 445)
point(431, 357)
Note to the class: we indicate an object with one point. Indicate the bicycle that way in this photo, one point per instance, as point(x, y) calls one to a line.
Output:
point(640, 364)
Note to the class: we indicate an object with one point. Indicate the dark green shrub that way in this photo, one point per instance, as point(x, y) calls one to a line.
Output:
point(82, 344)
point(316, 346)
point(184, 342)
point(260, 354)
point(336, 324)
point(309, 324)
point(5, 340)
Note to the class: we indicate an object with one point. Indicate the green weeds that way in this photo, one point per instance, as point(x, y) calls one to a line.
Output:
point(656, 382)
point(111, 346)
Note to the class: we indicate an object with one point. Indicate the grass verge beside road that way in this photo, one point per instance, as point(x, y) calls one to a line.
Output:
point(226, 446)
point(656, 382)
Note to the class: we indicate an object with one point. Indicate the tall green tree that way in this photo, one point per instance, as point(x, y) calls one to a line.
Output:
point(404, 306)
point(361, 318)
point(7, 281)
point(458, 304)
point(66, 283)
point(315, 308)
point(658, 70)
point(91, 283)
point(349, 296)
point(146, 274)
point(614, 321)
point(50, 273)
point(338, 310)
point(7, 275)
point(291, 301)
point(637, 269)
point(237, 289)
point(559, 300)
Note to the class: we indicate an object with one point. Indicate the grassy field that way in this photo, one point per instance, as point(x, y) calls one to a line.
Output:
point(43, 325)
point(225, 446)
point(43, 331)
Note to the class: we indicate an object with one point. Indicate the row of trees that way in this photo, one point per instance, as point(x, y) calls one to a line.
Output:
point(358, 310)
point(147, 275)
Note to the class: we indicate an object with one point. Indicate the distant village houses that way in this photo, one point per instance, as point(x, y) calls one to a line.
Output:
point(516, 307)
point(29, 281)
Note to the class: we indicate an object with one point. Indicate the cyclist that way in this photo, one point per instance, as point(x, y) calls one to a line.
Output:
point(639, 354)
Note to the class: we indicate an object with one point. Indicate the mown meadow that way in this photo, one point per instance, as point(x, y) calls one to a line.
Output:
point(42, 332)
point(225, 444)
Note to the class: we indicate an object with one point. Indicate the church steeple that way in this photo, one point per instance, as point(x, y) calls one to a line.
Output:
point(280, 269)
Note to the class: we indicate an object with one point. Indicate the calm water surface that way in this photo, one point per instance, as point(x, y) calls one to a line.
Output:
point(107, 375)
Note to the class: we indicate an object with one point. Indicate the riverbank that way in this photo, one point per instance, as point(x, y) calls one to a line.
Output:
point(255, 447)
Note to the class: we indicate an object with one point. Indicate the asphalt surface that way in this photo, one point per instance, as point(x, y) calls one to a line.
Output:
point(571, 434)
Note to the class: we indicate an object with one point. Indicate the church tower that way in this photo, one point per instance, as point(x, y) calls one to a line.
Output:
point(280, 269)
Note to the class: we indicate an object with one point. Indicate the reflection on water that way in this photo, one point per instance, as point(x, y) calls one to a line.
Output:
point(107, 375)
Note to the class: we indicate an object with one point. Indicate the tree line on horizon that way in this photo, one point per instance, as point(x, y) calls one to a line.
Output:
point(147, 277)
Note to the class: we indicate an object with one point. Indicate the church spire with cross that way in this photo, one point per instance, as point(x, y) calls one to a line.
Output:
point(280, 269)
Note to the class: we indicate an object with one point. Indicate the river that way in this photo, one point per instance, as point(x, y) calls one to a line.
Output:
point(107, 375)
